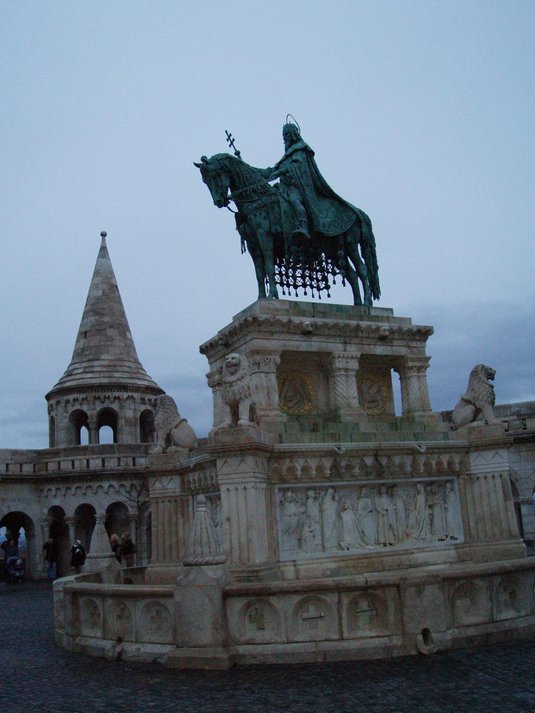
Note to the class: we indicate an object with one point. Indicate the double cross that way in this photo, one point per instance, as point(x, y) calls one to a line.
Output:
point(230, 141)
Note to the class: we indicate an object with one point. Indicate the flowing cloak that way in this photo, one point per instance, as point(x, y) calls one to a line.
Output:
point(328, 213)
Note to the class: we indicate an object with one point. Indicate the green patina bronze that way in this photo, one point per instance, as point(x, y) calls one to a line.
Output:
point(299, 232)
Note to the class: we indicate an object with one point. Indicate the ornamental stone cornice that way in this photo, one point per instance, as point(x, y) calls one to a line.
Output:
point(247, 327)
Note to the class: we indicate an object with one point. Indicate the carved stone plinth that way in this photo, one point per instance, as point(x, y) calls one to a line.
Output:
point(323, 362)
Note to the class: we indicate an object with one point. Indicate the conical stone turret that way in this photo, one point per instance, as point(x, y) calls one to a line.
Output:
point(105, 383)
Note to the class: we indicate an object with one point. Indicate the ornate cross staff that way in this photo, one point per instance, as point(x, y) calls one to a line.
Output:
point(230, 142)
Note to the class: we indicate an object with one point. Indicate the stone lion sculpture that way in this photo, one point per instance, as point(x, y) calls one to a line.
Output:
point(478, 398)
point(236, 391)
point(172, 432)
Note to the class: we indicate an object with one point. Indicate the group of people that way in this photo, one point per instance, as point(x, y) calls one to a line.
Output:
point(13, 562)
point(51, 555)
point(124, 548)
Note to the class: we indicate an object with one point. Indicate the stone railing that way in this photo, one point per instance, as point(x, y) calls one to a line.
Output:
point(74, 459)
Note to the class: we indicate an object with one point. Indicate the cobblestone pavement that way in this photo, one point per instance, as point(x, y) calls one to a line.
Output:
point(37, 676)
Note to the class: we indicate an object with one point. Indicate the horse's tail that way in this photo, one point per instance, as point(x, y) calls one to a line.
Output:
point(367, 244)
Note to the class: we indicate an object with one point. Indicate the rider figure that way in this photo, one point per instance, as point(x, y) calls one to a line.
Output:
point(289, 169)
point(315, 205)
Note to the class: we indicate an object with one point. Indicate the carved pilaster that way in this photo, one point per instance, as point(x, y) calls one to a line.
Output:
point(245, 509)
point(414, 389)
point(344, 370)
point(263, 371)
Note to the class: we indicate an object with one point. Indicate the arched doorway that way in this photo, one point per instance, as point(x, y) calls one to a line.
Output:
point(146, 427)
point(79, 428)
point(117, 519)
point(84, 523)
point(58, 530)
point(20, 527)
point(107, 425)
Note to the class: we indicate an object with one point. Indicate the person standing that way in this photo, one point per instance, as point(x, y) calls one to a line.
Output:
point(51, 557)
point(78, 556)
point(128, 549)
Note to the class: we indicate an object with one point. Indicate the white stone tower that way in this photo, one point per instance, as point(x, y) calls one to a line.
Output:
point(105, 383)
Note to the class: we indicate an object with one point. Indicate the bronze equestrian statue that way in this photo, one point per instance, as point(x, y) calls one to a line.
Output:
point(299, 232)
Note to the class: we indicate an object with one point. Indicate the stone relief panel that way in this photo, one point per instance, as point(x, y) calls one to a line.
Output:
point(374, 387)
point(90, 617)
point(366, 614)
point(259, 622)
point(513, 597)
point(297, 393)
point(470, 603)
point(155, 623)
point(313, 618)
point(119, 621)
point(342, 518)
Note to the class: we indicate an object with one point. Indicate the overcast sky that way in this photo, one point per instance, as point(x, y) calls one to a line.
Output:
point(420, 113)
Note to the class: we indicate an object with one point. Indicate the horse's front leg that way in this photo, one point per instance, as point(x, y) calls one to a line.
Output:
point(258, 261)
point(265, 243)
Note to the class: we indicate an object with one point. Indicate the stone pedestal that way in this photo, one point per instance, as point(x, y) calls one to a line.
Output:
point(200, 618)
point(327, 362)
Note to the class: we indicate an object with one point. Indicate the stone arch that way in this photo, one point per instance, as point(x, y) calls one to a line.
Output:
point(146, 426)
point(117, 519)
point(78, 427)
point(20, 527)
point(84, 524)
point(108, 417)
point(58, 530)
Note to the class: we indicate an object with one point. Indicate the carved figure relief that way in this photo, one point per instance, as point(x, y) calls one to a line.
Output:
point(351, 518)
point(297, 394)
point(373, 392)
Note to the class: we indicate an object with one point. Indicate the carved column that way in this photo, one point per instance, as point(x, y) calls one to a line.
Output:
point(265, 391)
point(344, 375)
point(414, 390)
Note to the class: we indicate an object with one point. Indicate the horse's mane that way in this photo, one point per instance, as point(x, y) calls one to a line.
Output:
point(246, 173)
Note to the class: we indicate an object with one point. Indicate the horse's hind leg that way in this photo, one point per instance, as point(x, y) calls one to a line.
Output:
point(351, 243)
point(352, 278)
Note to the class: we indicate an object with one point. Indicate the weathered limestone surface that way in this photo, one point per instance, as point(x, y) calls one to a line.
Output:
point(325, 526)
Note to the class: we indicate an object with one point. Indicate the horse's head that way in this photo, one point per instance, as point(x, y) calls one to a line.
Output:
point(215, 174)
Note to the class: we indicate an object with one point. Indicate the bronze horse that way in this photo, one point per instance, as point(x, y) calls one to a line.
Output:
point(266, 225)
